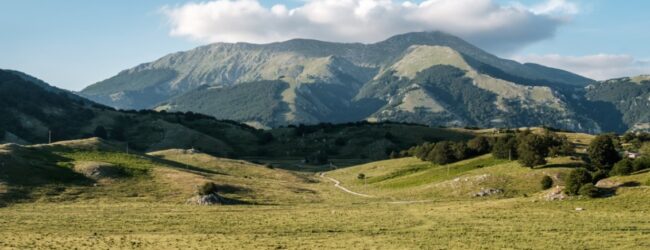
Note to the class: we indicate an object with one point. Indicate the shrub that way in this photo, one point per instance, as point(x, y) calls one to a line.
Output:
point(589, 190)
point(361, 176)
point(641, 164)
point(207, 188)
point(576, 179)
point(547, 182)
point(599, 175)
point(623, 167)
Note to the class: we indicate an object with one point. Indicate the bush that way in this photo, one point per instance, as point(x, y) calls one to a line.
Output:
point(641, 164)
point(577, 178)
point(589, 190)
point(207, 188)
point(599, 175)
point(547, 182)
point(361, 176)
point(623, 167)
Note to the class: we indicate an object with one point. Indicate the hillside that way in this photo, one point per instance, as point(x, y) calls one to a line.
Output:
point(34, 110)
point(313, 81)
point(630, 96)
point(94, 169)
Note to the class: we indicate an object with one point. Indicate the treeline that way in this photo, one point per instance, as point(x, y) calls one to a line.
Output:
point(528, 148)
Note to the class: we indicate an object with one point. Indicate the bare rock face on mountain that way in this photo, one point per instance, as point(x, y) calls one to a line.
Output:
point(428, 77)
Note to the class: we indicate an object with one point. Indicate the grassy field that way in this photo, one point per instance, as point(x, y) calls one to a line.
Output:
point(415, 205)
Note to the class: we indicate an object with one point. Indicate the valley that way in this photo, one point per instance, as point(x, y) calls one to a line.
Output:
point(96, 194)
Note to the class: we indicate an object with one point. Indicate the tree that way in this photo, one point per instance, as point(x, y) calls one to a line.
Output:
point(641, 163)
point(602, 152)
point(505, 148)
point(577, 178)
point(547, 182)
point(461, 152)
point(479, 145)
point(100, 132)
point(442, 153)
point(532, 150)
point(623, 167)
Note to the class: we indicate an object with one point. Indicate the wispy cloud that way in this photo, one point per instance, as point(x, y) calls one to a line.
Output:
point(497, 27)
point(599, 66)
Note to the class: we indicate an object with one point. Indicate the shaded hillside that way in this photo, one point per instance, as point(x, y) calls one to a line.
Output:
point(630, 96)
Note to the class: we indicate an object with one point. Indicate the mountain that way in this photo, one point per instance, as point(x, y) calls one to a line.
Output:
point(630, 96)
point(427, 77)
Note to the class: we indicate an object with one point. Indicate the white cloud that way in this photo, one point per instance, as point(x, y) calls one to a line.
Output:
point(599, 66)
point(502, 28)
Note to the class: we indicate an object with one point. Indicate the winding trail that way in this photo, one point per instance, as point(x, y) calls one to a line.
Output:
point(338, 185)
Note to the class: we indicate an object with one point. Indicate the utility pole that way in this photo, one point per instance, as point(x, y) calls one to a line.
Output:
point(49, 137)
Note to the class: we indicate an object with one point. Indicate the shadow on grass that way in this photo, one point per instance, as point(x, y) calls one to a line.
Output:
point(563, 165)
point(28, 169)
point(178, 165)
point(611, 191)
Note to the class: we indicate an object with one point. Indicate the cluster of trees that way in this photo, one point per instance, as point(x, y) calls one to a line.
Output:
point(528, 148)
point(531, 149)
point(445, 152)
point(604, 161)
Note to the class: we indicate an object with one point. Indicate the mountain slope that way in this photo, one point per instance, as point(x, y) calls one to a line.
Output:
point(329, 82)
point(630, 96)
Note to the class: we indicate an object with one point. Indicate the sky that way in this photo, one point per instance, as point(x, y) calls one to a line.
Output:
point(74, 43)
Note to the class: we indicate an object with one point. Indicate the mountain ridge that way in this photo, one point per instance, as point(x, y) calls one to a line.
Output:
point(327, 82)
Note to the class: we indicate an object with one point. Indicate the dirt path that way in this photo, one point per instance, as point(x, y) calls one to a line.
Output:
point(338, 185)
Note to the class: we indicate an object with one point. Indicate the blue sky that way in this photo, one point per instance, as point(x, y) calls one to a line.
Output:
point(74, 43)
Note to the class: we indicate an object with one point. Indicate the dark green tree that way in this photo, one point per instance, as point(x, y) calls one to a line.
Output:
point(576, 179)
point(100, 132)
point(442, 153)
point(461, 151)
point(479, 145)
point(505, 147)
point(623, 167)
point(602, 152)
point(532, 150)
